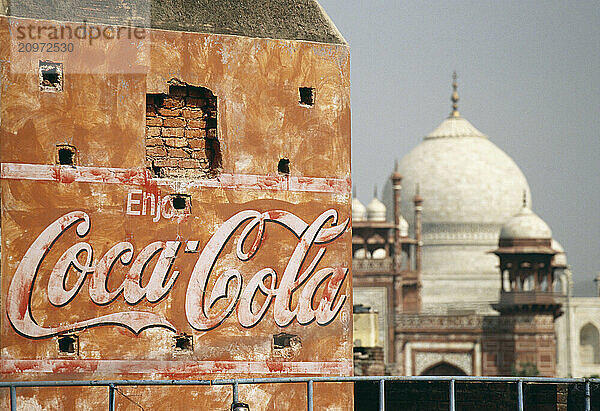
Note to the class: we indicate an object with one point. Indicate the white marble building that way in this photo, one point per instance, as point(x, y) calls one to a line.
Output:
point(577, 331)
point(471, 188)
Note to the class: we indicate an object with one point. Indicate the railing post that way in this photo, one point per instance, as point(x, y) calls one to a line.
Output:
point(13, 398)
point(520, 394)
point(382, 395)
point(452, 406)
point(111, 397)
point(235, 392)
point(309, 395)
point(588, 397)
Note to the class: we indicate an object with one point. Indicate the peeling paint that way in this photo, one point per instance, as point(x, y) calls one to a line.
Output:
point(68, 174)
point(78, 250)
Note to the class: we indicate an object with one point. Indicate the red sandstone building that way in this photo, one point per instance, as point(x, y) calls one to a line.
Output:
point(431, 297)
point(175, 200)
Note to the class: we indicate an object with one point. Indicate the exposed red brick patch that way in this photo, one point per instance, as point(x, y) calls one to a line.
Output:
point(179, 126)
point(195, 133)
point(197, 143)
point(154, 121)
point(178, 152)
point(174, 122)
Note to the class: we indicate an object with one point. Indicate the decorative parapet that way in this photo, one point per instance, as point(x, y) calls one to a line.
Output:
point(528, 297)
point(449, 233)
point(438, 322)
point(467, 323)
point(372, 265)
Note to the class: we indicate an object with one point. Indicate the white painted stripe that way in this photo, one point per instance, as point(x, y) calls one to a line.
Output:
point(12, 366)
point(141, 177)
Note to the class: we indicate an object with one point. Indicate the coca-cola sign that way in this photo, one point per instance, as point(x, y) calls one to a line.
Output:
point(288, 295)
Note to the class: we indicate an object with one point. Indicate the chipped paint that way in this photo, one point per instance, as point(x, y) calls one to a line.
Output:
point(142, 178)
point(199, 310)
point(97, 249)
point(176, 368)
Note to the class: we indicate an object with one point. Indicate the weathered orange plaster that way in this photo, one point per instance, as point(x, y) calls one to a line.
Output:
point(101, 112)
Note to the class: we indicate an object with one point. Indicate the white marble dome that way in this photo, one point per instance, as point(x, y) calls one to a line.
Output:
point(376, 210)
point(359, 212)
point(463, 178)
point(525, 225)
point(470, 188)
point(403, 227)
point(560, 258)
point(379, 254)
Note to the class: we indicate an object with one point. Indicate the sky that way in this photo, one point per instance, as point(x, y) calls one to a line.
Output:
point(528, 77)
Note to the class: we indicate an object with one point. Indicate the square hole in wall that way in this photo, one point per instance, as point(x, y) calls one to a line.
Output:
point(283, 167)
point(307, 97)
point(184, 342)
point(157, 171)
point(66, 155)
point(285, 340)
point(50, 76)
point(181, 203)
point(68, 344)
point(285, 345)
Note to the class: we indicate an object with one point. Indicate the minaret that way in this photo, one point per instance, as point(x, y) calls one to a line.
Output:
point(418, 201)
point(396, 178)
point(397, 187)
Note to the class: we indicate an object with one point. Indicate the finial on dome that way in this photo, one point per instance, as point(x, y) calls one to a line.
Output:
point(417, 199)
point(375, 191)
point(353, 191)
point(396, 176)
point(454, 97)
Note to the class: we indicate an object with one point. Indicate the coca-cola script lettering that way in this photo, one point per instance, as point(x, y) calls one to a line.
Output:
point(300, 277)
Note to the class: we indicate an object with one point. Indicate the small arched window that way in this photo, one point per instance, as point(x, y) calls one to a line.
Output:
point(406, 261)
point(443, 368)
point(529, 284)
point(506, 286)
point(544, 284)
point(589, 344)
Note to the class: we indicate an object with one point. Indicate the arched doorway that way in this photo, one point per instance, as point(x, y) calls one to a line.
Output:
point(589, 344)
point(443, 368)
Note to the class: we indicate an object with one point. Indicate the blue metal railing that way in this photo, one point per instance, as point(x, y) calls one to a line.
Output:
point(309, 381)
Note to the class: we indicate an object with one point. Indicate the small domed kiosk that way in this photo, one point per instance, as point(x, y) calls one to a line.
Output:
point(526, 264)
point(376, 210)
point(359, 212)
